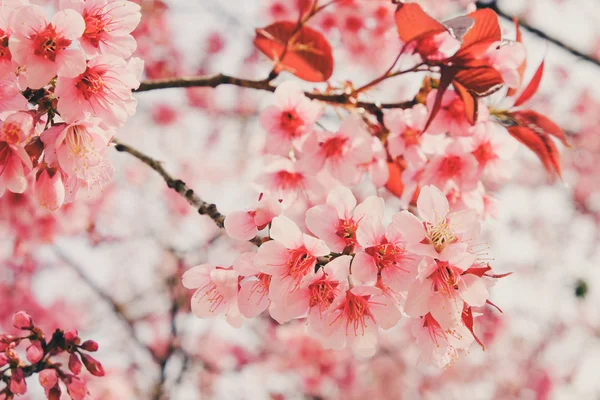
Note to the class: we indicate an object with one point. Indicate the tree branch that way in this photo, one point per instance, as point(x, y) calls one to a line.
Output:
point(493, 5)
point(213, 81)
point(180, 187)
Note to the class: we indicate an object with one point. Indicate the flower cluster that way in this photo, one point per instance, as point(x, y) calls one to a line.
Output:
point(65, 87)
point(40, 358)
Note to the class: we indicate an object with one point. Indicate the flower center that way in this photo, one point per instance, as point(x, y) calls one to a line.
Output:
point(11, 133)
point(90, 83)
point(445, 278)
point(386, 255)
point(261, 285)
point(322, 293)
point(300, 262)
point(4, 51)
point(95, 25)
point(411, 137)
point(456, 109)
point(289, 180)
point(334, 147)
point(356, 312)
point(291, 123)
point(440, 234)
point(214, 297)
point(451, 166)
point(434, 329)
point(48, 43)
point(484, 153)
point(347, 230)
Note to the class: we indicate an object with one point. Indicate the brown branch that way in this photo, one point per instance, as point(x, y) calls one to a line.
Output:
point(493, 5)
point(212, 81)
point(180, 187)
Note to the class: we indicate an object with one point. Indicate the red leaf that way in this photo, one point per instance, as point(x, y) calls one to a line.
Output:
point(493, 305)
point(308, 54)
point(482, 81)
point(467, 318)
point(469, 100)
point(479, 38)
point(412, 22)
point(521, 69)
point(479, 271)
point(532, 87)
point(394, 183)
point(537, 121)
point(541, 144)
point(445, 80)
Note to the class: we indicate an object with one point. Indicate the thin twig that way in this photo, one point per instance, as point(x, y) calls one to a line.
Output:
point(494, 6)
point(180, 187)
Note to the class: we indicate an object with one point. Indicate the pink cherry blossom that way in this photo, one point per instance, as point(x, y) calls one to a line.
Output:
point(440, 230)
point(287, 180)
point(354, 319)
point(290, 258)
point(438, 346)
point(216, 292)
point(384, 254)
point(336, 221)
point(17, 128)
point(289, 120)
point(79, 149)
point(244, 225)
point(102, 89)
point(253, 297)
point(108, 25)
point(456, 168)
point(341, 154)
point(44, 47)
point(406, 128)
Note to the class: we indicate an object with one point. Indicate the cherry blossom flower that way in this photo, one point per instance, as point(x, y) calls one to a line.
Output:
point(216, 292)
point(336, 221)
point(244, 225)
point(288, 121)
point(102, 89)
point(290, 258)
point(108, 25)
point(80, 150)
point(451, 117)
point(440, 230)
point(406, 128)
point(384, 253)
point(341, 154)
point(354, 319)
point(44, 47)
point(456, 168)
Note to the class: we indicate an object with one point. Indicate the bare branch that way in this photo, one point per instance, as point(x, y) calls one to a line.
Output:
point(180, 187)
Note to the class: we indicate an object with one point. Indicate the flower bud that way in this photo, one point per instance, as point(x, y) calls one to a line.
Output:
point(90, 345)
point(50, 189)
point(74, 364)
point(17, 383)
point(22, 320)
point(92, 365)
point(35, 352)
point(54, 393)
point(71, 335)
point(48, 378)
point(76, 388)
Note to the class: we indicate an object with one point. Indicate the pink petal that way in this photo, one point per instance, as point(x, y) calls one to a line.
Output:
point(71, 63)
point(271, 256)
point(244, 264)
point(473, 290)
point(417, 299)
point(251, 299)
point(446, 311)
point(339, 268)
point(343, 201)
point(364, 269)
point(372, 205)
point(411, 227)
point(316, 247)
point(69, 23)
point(197, 276)
point(386, 311)
point(240, 225)
point(370, 231)
point(286, 232)
point(432, 204)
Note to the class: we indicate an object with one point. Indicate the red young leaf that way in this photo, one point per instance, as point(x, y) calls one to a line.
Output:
point(478, 271)
point(539, 122)
point(479, 38)
point(308, 54)
point(532, 87)
point(541, 144)
point(412, 22)
point(445, 80)
point(521, 69)
point(394, 183)
point(482, 81)
point(467, 318)
point(493, 305)
point(469, 100)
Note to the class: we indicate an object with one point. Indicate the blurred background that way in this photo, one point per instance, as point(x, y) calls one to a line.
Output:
point(110, 264)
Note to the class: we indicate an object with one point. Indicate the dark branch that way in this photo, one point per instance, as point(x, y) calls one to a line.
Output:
point(494, 6)
point(180, 187)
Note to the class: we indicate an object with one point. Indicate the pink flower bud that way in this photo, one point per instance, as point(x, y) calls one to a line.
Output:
point(76, 388)
point(22, 320)
point(3, 360)
point(71, 335)
point(50, 189)
point(48, 378)
point(17, 383)
point(35, 352)
point(92, 365)
point(74, 364)
point(54, 393)
point(90, 345)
